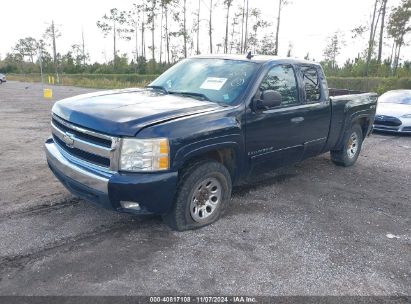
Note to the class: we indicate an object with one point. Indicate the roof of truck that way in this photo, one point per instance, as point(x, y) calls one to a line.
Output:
point(258, 58)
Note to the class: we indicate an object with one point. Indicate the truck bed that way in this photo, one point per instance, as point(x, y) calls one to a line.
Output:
point(339, 92)
point(347, 108)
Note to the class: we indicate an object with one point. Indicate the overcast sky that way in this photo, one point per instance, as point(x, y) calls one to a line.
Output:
point(306, 24)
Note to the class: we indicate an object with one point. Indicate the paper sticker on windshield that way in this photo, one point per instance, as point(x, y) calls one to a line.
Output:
point(213, 83)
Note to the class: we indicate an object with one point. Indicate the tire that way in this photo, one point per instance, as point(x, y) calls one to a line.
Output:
point(203, 194)
point(348, 155)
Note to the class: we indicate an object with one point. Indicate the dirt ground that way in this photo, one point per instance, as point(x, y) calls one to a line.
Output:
point(310, 229)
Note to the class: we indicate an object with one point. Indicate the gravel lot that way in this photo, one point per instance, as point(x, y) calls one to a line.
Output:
point(310, 229)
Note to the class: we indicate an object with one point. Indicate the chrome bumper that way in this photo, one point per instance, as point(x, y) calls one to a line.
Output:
point(74, 171)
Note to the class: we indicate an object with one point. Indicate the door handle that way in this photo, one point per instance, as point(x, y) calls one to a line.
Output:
point(297, 119)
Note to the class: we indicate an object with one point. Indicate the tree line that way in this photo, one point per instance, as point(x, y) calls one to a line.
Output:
point(370, 61)
point(161, 32)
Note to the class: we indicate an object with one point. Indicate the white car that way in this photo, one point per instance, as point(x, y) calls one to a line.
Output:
point(2, 78)
point(394, 112)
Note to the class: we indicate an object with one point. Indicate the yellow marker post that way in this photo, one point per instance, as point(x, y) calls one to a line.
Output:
point(48, 93)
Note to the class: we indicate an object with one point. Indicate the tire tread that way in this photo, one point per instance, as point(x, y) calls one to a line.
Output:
point(175, 219)
point(340, 157)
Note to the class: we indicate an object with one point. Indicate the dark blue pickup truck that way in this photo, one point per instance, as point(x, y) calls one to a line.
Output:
point(178, 146)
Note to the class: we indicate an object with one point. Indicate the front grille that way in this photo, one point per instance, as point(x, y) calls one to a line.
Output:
point(95, 159)
point(86, 145)
point(93, 139)
point(387, 121)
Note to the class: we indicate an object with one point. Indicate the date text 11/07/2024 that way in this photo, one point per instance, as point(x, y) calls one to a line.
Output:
point(204, 299)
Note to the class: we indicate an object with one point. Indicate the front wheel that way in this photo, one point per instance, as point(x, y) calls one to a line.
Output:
point(348, 155)
point(203, 194)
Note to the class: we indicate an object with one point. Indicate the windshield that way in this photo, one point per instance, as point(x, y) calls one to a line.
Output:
point(217, 80)
point(401, 97)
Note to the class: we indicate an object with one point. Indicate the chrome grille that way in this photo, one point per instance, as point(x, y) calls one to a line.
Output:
point(94, 148)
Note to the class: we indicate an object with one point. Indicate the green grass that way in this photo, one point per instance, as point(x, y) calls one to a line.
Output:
point(99, 81)
point(119, 81)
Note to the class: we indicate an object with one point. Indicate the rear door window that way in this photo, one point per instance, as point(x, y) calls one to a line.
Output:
point(312, 87)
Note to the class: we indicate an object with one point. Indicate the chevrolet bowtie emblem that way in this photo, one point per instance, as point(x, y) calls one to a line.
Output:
point(68, 140)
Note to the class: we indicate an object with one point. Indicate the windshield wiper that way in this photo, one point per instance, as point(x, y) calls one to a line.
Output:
point(155, 87)
point(193, 94)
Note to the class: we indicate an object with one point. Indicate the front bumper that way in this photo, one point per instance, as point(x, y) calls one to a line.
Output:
point(153, 192)
point(395, 124)
point(396, 129)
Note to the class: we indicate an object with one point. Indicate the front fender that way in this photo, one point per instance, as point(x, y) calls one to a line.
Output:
point(196, 149)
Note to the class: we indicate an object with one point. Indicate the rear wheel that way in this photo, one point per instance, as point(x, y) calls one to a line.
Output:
point(348, 155)
point(203, 194)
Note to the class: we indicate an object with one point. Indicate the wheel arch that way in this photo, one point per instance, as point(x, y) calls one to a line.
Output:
point(363, 120)
point(225, 153)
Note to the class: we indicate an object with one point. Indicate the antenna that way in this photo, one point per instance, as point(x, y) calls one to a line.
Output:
point(249, 55)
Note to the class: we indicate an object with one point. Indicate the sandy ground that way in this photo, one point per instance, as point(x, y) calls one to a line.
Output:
point(310, 229)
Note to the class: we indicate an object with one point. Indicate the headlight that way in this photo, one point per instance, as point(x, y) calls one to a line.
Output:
point(144, 155)
point(406, 116)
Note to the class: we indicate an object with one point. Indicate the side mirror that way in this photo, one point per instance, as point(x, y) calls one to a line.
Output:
point(268, 99)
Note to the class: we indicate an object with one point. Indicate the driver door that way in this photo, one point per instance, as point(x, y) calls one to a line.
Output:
point(275, 136)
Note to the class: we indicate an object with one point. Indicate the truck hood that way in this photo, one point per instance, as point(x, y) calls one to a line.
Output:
point(393, 109)
point(126, 112)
